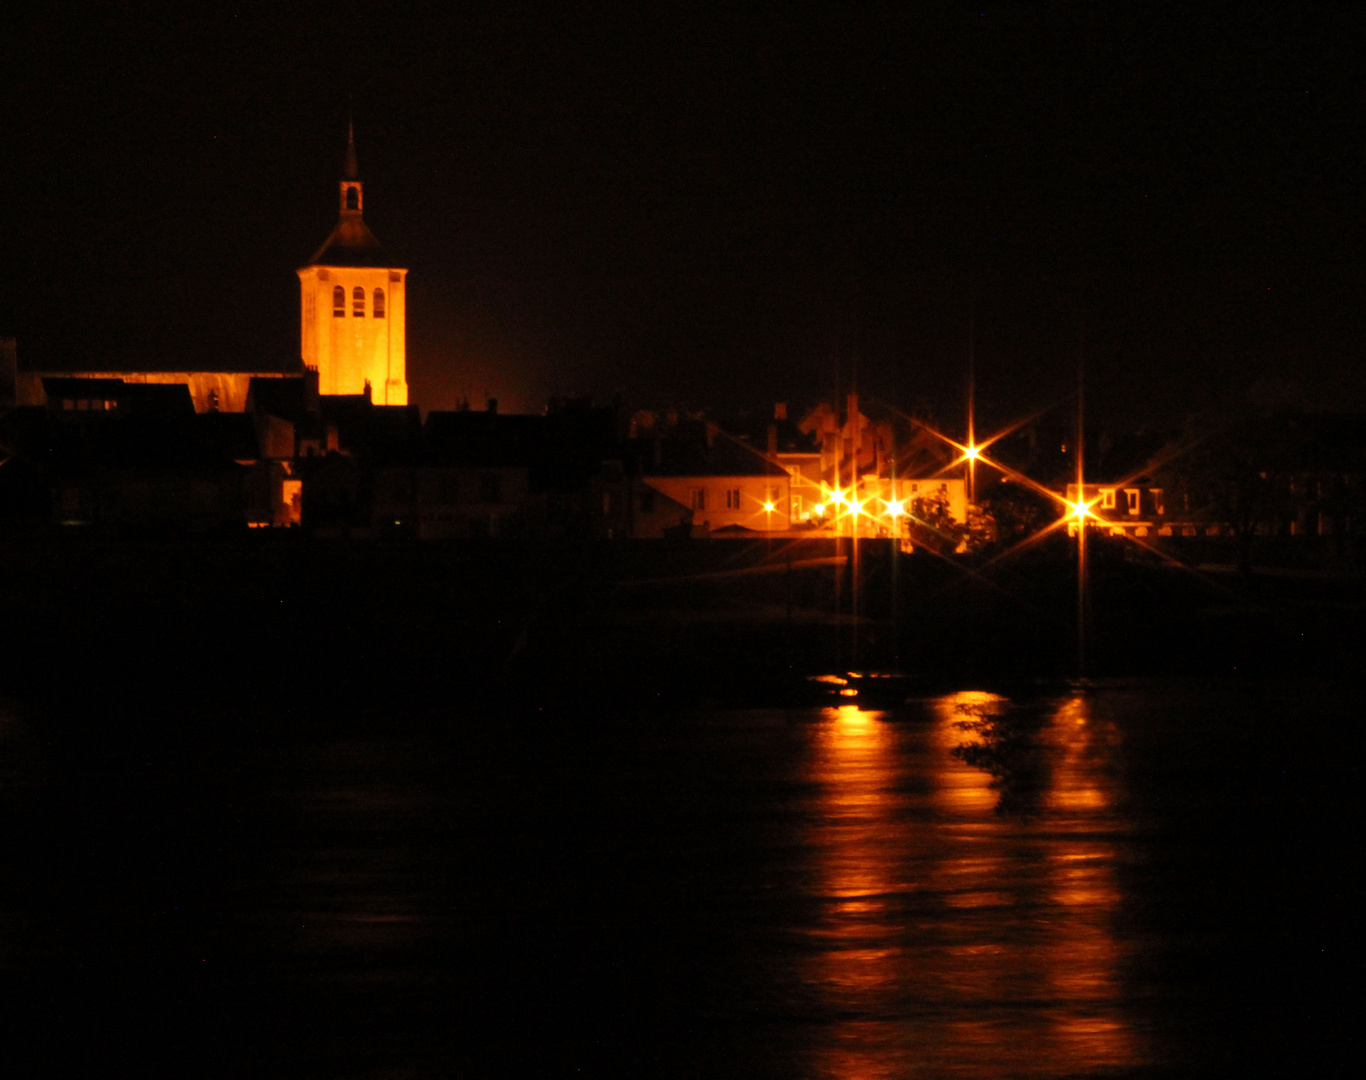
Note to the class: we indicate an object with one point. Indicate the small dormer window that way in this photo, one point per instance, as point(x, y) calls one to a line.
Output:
point(358, 302)
point(353, 198)
point(379, 303)
point(338, 302)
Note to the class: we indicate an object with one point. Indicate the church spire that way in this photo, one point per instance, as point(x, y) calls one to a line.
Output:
point(352, 326)
point(351, 190)
point(350, 171)
point(351, 243)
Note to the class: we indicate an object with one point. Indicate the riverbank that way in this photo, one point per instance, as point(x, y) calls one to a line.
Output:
point(313, 623)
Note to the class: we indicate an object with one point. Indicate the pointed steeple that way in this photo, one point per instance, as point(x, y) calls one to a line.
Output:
point(352, 191)
point(350, 171)
point(352, 326)
point(351, 242)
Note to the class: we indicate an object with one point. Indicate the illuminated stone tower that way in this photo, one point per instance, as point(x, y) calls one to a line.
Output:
point(353, 305)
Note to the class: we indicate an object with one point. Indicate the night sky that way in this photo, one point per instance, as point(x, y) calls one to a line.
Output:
point(714, 207)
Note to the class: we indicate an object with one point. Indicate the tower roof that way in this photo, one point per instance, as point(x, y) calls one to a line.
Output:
point(351, 243)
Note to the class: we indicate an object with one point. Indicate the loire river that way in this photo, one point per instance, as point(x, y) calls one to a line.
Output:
point(1142, 879)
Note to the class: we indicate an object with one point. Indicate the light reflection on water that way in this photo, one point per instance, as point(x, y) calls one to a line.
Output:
point(953, 940)
point(841, 892)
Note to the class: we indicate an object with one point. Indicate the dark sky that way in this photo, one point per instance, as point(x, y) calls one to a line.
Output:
point(718, 207)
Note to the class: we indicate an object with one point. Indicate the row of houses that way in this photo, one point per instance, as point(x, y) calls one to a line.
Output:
point(1282, 475)
point(117, 452)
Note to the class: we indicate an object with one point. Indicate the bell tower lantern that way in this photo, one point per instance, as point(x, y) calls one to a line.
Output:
point(353, 304)
point(352, 191)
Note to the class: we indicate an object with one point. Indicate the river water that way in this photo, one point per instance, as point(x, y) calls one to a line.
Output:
point(1145, 878)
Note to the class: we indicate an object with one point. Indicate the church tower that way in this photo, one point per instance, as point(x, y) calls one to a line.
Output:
point(353, 305)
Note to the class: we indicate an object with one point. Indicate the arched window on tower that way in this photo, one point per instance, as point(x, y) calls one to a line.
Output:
point(353, 198)
point(379, 303)
point(338, 302)
point(358, 302)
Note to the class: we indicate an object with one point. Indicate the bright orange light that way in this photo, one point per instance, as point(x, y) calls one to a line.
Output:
point(855, 506)
point(1081, 510)
point(971, 452)
point(768, 507)
point(896, 508)
point(819, 509)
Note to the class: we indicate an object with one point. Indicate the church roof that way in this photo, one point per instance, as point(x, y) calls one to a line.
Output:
point(350, 244)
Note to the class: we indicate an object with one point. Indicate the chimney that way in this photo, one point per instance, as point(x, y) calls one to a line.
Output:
point(773, 439)
point(780, 411)
point(493, 406)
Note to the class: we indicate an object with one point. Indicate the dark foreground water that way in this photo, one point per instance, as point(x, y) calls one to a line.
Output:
point(1151, 878)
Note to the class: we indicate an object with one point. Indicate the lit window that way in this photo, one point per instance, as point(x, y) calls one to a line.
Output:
point(353, 198)
point(699, 498)
point(733, 499)
point(338, 302)
point(358, 302)
point(1107, 498)
point(379, 303)
point(1131, 497)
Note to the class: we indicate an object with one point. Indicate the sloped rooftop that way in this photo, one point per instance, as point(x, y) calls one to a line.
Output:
point(351, 243)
